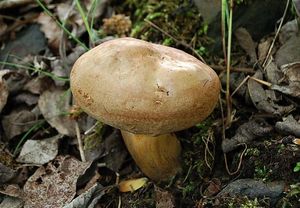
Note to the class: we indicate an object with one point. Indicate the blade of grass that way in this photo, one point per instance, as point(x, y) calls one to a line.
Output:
point(53, 76)
point(85, 20)
point(47, 11)
point(228, 63)
point(223, 26)
point(90, 14)
point(35, 127)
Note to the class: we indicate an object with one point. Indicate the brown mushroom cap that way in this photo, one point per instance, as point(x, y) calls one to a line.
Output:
point(144, 88)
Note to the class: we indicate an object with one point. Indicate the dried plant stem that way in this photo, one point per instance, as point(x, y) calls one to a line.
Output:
point(80, 146)
point(228, 62)
point(276, 35)
point(240, 162)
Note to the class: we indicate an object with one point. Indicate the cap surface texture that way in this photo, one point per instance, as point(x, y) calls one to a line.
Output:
point(143, 87)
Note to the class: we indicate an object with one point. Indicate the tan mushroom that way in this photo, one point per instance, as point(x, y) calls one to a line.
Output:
point(148, 91)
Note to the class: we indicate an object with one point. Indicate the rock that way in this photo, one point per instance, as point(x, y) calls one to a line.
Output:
point(254, 189)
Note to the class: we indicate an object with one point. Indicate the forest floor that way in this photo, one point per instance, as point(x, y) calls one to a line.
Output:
point(246, 154)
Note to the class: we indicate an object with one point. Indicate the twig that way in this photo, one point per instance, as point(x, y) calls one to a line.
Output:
point(277, 33)
point(268, 84)
point(80, 146)
point(240, 85)
point(176, 40)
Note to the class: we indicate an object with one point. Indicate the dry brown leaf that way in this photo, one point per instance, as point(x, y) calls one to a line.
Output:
point(263, 49)
point(132, 184)
point(18, 122)
point(11, 202)
point(50, 29)
point(290, 83)
point(3, 27)
point(54, 106)
point(3, 89)
point(39, 152)
point(163, 198)
point(246, 42)
point(296, 141)
point(5, 4)
point(55, 184)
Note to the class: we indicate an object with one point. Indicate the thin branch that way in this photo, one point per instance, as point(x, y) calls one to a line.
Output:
point(276, 35)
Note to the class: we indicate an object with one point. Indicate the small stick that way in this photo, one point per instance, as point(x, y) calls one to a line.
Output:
point(80, 146)
point(277, 33)
point(240, 85)
point(268, 84)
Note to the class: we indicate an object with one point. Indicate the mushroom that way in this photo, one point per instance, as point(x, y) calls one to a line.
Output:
point(148, 91)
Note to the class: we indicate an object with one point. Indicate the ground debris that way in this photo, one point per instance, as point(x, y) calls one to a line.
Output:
point(11, 202)
point(39, 152)
point(288, 125)
point(55, 184)
point(6, 173)
point(261, 100)
point(246, 42)
point(55, 112)
point(290, 82)
point(17, 122)
point(163, 198)
point(90, 198)
point(254, 189)
point(246, 133)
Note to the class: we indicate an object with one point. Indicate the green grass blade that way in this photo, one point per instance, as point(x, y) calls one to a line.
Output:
point(46, 10)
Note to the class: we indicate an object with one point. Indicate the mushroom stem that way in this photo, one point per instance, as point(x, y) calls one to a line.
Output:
point(156, 156)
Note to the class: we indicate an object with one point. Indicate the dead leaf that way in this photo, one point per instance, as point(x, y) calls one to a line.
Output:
point(6, 173)
point(273, 74)
point(163, 198)
point(290, 83)
point(289, 52)
point(18, 122)
point(288, 30)
point(246, 133)
point(296, 141)
point(89, 198)
point(12, 190)
point(260, 99)
point(263, 49)
point(39, 152)
point(3, 89)
point(213, 187)
point(11, 202)
point(50, 29)
point(55, 184)
point(132, 184)
point(5, 4)
point(115, 152)
point(25, 98)
point(289, 125)
point(55, 106)
point(246, 42)
point(37, 85)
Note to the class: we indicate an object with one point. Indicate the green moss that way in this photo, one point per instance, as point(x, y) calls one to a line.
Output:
point(95, 138)
point(179, 18)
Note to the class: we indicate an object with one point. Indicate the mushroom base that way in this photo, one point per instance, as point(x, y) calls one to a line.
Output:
point(157, 156)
